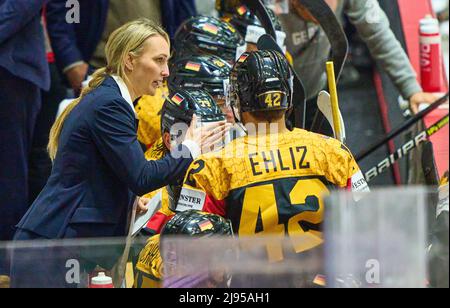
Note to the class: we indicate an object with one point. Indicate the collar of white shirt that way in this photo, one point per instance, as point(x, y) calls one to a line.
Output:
point(124, 91)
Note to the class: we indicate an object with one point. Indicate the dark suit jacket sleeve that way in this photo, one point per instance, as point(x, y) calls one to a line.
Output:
point(114, 132)
point(15, 14)
point(62, 34)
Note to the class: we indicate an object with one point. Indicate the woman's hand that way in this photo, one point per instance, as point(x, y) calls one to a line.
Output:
point(142, 206)
point(209, 136)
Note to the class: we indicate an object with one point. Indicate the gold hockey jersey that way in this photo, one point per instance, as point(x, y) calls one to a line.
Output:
point(272, 184)
point(157, 221)
point(149, 270)
point(148, 112)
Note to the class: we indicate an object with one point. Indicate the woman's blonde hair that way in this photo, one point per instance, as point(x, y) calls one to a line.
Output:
point(128, 39)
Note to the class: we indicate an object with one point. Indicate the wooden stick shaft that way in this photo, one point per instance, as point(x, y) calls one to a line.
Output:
point(334, 100)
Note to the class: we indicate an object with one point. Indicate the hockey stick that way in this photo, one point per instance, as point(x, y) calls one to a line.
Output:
point(120, 268)
point(332, 28)
point(336, 124)
point(324, 104)
point(402, 128)
point(266, 42)
point(406, 149)
point(321, 11)
point(269, 42)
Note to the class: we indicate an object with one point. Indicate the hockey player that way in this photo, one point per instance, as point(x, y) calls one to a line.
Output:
point(195, 37)
point(178, 110)
point(271, 182)
point(149, 268)
point(207, 72)
point(203, 35)
point(247, 23)
point(211, 74)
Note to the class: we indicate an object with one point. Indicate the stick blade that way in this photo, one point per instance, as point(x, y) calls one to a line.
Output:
point(324, 104)
point(267, 42)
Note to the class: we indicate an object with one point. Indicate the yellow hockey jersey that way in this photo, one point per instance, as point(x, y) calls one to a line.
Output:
point(148, 112)
point(155, 224)
point(272, 184)
point(149, 268)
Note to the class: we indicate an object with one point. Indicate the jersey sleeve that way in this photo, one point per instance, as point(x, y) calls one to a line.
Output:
point(148, 111)
point(343, 170)
point(148, 270)
point(157, 221)
point(356, 183)
point(205, 187)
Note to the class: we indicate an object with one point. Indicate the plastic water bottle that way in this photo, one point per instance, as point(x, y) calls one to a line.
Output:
point(430, 54)
point(101, 282)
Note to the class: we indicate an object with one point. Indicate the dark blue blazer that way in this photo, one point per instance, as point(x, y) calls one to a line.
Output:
point(77, 42)
point(22, 48)
point(98, 170)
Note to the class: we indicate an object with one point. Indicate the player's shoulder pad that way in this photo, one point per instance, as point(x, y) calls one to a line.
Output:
point(197, 167)
point(331, 143)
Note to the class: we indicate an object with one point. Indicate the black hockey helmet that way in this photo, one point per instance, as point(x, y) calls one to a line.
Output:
point(227, 7)
point(179, 108)
point(209, 73)
point(182, 104)
point(248, 23)
point(261, 81)
point(241, 17)
point(208, 35)
point(197, 223)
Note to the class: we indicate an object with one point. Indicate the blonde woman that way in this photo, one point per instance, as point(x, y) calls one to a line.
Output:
point(99, 166)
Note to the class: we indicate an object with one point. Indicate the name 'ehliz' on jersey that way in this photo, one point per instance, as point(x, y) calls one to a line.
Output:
point(250, 175)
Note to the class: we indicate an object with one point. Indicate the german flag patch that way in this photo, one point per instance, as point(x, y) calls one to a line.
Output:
point(177, 99)
point(205, 225)
point(211, 29)
point(242, 10)
point(320, 280)
point(192, 66)
point(243, 58)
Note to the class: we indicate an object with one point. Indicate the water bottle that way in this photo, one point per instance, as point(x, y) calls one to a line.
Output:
point(430, 54)
point(101, 282)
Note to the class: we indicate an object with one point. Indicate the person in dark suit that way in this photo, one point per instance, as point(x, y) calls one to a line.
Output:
point(99, 166)
point(74, 44)
point(23, 74)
